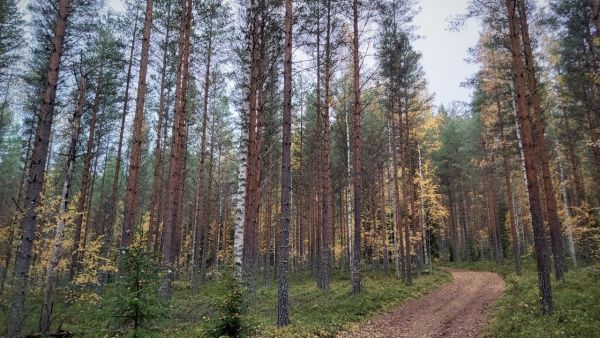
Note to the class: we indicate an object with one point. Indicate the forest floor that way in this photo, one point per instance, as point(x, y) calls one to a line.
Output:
point(314, 312)
point(459, 309)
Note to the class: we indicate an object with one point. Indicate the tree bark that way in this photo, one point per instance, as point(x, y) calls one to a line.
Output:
point(509, 194)
point(244, 158)
point(286, 176)
point(325, 163)
point(384, 236)
point(355, 272)
point(85, 187)
point(558, 251)
point(397, 208)
point(525, 126)
point(206, 210)
point(176, 162)
point(199, 211)
point(36, 174)
point(112, 207)
point(157, 182)
point(128, 227)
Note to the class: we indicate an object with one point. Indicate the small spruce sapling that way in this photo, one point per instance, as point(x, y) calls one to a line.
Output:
point(137, 304)
point(231, 308)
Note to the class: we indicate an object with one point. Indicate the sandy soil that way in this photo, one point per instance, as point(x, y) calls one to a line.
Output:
point(458, 309)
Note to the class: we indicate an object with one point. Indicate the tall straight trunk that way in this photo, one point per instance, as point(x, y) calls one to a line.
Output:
point(286, 174)
point(371, 247)
point(238, 237)
point(112, 207)
point(397, 207)
point(453, 226)
point(558, 251)
point(128, 227)
point(207, 208)
point(267, 225)
point(465, 224)
point(525, 126)
point(568, 213)
point(199, 211)
point(176, 162)
point(384, 236)
point(326, 165)
point(250, 247)
point(405, 191)
point(225, 222)
point(349, 198)
point(509, 193)
point(87, 229)
point(219, 211)
point(243, 158)
point(355, 273)
point(85, 187)
point(157, 182)
point(57, 249)
point(316, 163)
point(36, 174)
point(415, 218)
point(574, 167)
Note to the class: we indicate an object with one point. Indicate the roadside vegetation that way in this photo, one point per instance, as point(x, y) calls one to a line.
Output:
point(576, 310)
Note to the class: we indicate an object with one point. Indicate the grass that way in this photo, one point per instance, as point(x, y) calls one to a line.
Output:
point(576, 303)
point(314, 313)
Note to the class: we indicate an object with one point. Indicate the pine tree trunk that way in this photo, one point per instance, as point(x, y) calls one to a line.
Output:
point(128, 227)
point(355, 269)
point(199, 211)
point(568, 213)
point(157, 182)
point(509, 194)
point(326, 165)
point(397, 207)
point(286, 174)
point(558, 251)
point(405, 194)
point(525, 126)
point(250, 247)
point(112, 207)
point(384, 236)
point(206, 229)
point(176, 162)
point(35, 176)
point(85, 187)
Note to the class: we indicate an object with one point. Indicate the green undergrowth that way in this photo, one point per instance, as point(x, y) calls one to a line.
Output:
point(314, 313)
point(576, 303)
point(317, 313)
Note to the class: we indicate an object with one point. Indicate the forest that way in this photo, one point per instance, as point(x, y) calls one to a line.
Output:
point(280, 168)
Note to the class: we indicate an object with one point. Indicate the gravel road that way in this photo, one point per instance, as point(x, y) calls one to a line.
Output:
point(458, 309)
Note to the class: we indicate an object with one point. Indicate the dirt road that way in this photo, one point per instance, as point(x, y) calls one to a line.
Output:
point(459, 309)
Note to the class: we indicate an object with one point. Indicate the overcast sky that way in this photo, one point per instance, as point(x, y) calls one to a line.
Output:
point(444, 52)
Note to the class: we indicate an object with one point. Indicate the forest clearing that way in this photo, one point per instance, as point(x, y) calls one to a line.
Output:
point(299, 168)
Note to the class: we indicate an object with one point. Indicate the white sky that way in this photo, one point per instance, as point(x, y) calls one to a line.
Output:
point(444, 52)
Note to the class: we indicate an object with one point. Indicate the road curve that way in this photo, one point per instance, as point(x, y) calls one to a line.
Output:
point(458, 309)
